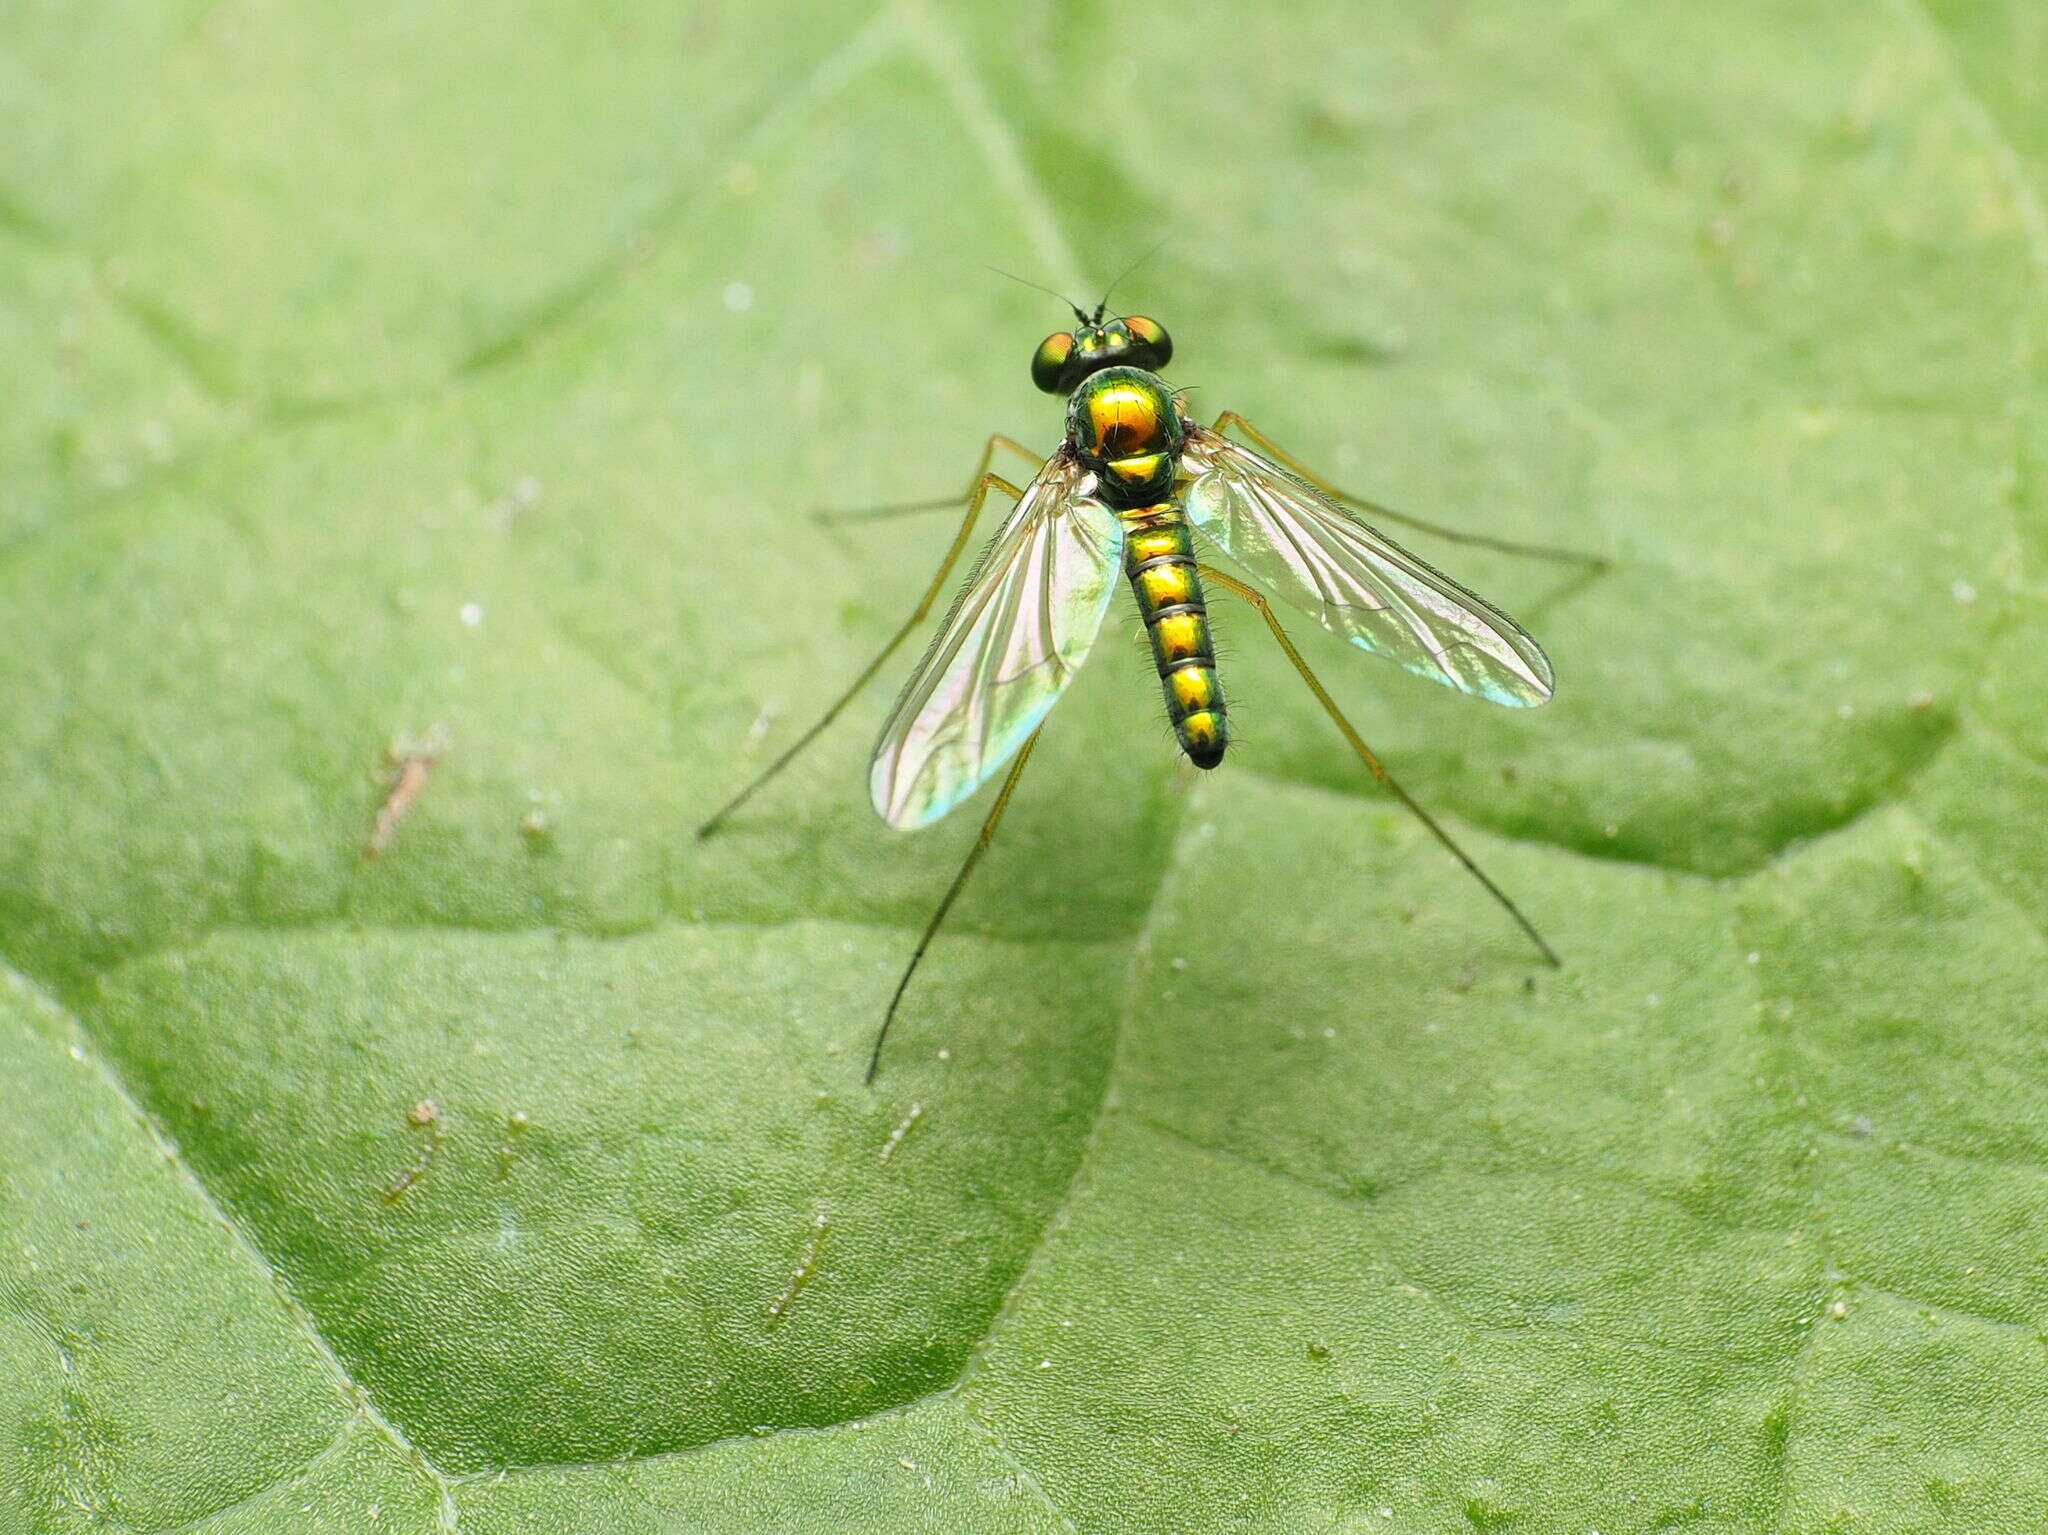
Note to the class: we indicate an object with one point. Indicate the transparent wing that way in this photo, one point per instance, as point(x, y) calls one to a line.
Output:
point(1018, 632)
point(1355, 581)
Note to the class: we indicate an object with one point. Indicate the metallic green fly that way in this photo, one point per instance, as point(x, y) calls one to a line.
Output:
point(1138, 485)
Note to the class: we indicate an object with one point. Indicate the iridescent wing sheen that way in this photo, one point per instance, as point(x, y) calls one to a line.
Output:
point(1016, 636)
point(1353, 580)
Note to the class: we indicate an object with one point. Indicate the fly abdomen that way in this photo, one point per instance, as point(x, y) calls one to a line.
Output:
point(1159, 558)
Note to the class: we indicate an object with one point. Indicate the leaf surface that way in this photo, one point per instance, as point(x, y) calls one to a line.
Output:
point(404, 390)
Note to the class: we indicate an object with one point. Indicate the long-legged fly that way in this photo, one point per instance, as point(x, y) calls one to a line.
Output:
point(1138, 485)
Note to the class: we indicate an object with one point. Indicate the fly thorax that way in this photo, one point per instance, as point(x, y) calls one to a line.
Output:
point(1122, 425)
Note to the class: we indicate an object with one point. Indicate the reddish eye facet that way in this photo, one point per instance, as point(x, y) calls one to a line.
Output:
point(1049, 362)
point(1151, 334)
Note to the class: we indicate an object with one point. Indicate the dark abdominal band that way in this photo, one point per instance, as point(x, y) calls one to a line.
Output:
point(1159, 558)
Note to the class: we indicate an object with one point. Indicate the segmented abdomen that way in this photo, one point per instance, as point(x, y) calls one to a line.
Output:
point(1159, 558)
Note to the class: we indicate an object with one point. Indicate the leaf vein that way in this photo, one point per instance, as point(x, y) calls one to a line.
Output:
point(90, 1054)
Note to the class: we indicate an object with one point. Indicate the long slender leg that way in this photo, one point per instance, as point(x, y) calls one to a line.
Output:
point(938, 503)
point(982, 487)
point(982, 839)
point(1372, 763)
point(1506, 545)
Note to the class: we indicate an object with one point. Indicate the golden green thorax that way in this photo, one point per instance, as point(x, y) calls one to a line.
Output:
point(1124, 427)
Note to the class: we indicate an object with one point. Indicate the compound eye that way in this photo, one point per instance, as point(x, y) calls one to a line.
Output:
point(1150, 333)
point(1050, 361)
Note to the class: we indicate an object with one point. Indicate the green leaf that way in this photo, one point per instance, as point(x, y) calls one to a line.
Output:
point(402, 385)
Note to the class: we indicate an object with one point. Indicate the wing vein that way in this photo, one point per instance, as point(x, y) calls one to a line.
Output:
point(1016, 636)
point(1354, 580)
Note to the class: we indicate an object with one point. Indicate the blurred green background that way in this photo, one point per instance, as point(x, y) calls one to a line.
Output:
point(405, 372)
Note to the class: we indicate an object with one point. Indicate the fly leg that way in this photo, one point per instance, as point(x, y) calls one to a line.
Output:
point(903, 508)
point(1373, 764)
point(985, 483)
point(982, 839)
point(1387, 513)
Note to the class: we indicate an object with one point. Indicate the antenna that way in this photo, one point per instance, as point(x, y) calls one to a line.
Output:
point(1079, 313)
point(1103, 307)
